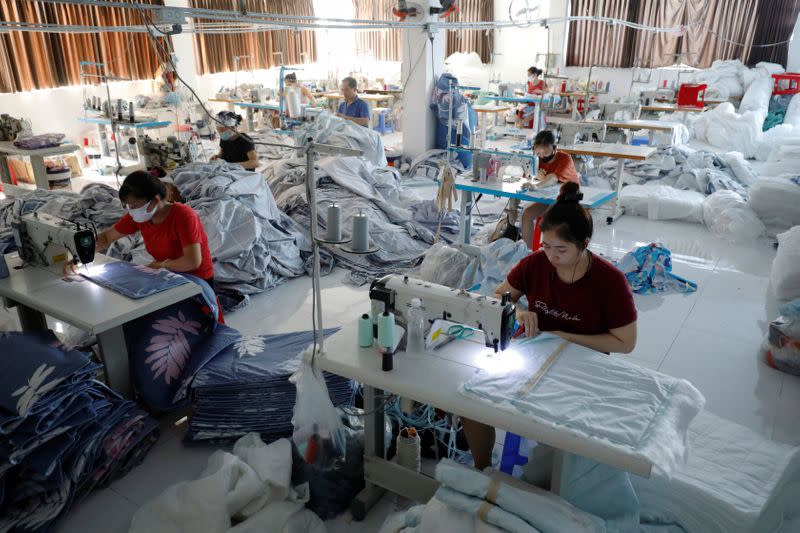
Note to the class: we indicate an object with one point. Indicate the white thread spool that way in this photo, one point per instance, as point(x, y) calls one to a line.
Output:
point(334, 223)
point(360, 232)
point(293, 102)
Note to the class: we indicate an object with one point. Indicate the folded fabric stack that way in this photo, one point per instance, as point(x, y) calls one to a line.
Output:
point(246, 388)
point(61, 432)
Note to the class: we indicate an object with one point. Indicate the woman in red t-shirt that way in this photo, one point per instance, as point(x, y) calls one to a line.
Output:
point(571, 293)
point(173, 233)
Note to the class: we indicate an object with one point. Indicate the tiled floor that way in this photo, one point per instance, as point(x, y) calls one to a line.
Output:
point(711, 337)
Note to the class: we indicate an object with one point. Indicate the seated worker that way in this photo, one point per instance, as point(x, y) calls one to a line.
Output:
point(536, 87)
point(571, 293)
point(173, 233)
point(353, 108)
point(554, 167)
point(306, 98)
point(235, 147)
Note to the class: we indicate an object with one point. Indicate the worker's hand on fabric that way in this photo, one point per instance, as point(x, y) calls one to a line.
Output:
point(70, 269)
point(102, 243)
point(529, 321)
point(213, 158)
point(541, 174)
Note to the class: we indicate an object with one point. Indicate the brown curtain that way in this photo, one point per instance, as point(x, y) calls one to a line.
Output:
point(734, 21)
point(34, 60)
point(658, 49)
point(268, 48)
point(479, 41)
point(599, 43)
point(384, 44)
point(774, 24)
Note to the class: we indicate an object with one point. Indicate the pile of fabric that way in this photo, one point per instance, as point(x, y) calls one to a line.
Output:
point(472, 501)
point(356, 185)
point(731, 78)
point(254, 245)
point(775, 201)
point(62, 434)
point(248, 489)
point(648, 269)
point(246, 388)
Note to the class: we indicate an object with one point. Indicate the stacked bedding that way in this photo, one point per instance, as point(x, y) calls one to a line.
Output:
point(246, 388)
point(62, 433)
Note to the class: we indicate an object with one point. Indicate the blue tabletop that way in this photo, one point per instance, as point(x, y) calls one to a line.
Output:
point(126, 123)
point(592, 197)
point(271, 107)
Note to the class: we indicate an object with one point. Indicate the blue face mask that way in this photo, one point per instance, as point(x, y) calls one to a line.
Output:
point(227, 135)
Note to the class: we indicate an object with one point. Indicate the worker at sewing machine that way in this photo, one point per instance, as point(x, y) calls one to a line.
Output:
point(234, 146)
point(290, 82)
point(353, 108)
point(535, 87)
point(173, 233)
point(571, 293)
point(554, 167)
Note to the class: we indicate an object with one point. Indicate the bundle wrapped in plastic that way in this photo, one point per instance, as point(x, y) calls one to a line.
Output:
point(775, 201)
point(727, 216)
point(724, 128)
point(782, 347)
point(444, 265)
point(785, 275)
point(661, 202)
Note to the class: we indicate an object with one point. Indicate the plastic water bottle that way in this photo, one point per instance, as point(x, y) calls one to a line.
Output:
point(416, 327)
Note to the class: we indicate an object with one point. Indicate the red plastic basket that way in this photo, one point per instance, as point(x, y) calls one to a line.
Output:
point(787, 83)
point(692, 95)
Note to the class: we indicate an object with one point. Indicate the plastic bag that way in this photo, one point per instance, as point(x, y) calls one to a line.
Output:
point(661, 202)
point(318, 433)
point(782, 347)
point(776, 201)
point(444, 265)
point(785, 275)
point(757, 97)
point(727, 216)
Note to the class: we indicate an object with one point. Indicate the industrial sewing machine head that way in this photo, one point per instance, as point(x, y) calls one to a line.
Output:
point(494, 317)
point(165, 154)
point(652, 96)
point(620, 111)
point(51, 242)
point(576, 132)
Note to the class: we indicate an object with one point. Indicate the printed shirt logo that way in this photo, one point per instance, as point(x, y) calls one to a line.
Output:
point(540, 306)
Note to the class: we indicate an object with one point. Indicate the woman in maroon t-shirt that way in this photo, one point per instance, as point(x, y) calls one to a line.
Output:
point(173, 233)
point(571, 293)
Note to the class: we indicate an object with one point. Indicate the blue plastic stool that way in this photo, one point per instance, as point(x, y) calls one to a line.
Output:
point(385, 123)
point(511, 456)
point(640, 141)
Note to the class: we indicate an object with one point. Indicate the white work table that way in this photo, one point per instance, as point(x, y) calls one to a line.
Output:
point(7, 148)
point(652, 126)
point(592, 198)
point(620, 152)
point(434, 378)
point(36, 291)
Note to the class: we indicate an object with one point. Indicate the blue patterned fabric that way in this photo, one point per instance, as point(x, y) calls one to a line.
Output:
point(167, 347)
point(648, 269)
point(134, 281)
point(246, 388)
point(63, 433)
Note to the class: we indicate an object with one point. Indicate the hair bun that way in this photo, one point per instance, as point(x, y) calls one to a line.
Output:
point(570, 192)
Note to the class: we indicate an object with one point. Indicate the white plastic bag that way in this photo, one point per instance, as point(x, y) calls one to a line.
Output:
point(318, 433)
point(727, 216)
point(785, 275)
point(792, 117)
point(444, 265)
point(661, 202)
point(757, 96)
point(776, 201)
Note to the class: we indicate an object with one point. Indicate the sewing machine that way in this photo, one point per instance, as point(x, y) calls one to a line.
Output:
point(50, 241)
point(616, 111)
point(577, 132)
point(165, 154)
point(657, 95)
point(494, 317)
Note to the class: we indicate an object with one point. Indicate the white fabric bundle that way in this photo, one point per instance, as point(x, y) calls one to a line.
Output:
point(723, 128)
point(785, 275)
point(727, 216)
point(736, 481)
point(661, 202)
point(776, 201)
point(251, 486)
point(792, 117)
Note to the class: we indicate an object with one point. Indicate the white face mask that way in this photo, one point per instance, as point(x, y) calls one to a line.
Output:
point(141, 214)
point(532, 78)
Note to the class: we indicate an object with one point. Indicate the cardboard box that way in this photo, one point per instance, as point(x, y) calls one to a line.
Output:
point(22, 170)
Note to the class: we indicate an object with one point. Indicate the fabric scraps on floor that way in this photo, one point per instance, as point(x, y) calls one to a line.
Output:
point(648, 269)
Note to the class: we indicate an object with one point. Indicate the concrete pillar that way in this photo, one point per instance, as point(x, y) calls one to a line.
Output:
point(418, 69)
point(183, 44)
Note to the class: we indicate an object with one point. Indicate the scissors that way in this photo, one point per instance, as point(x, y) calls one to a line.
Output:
point(456, 331)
